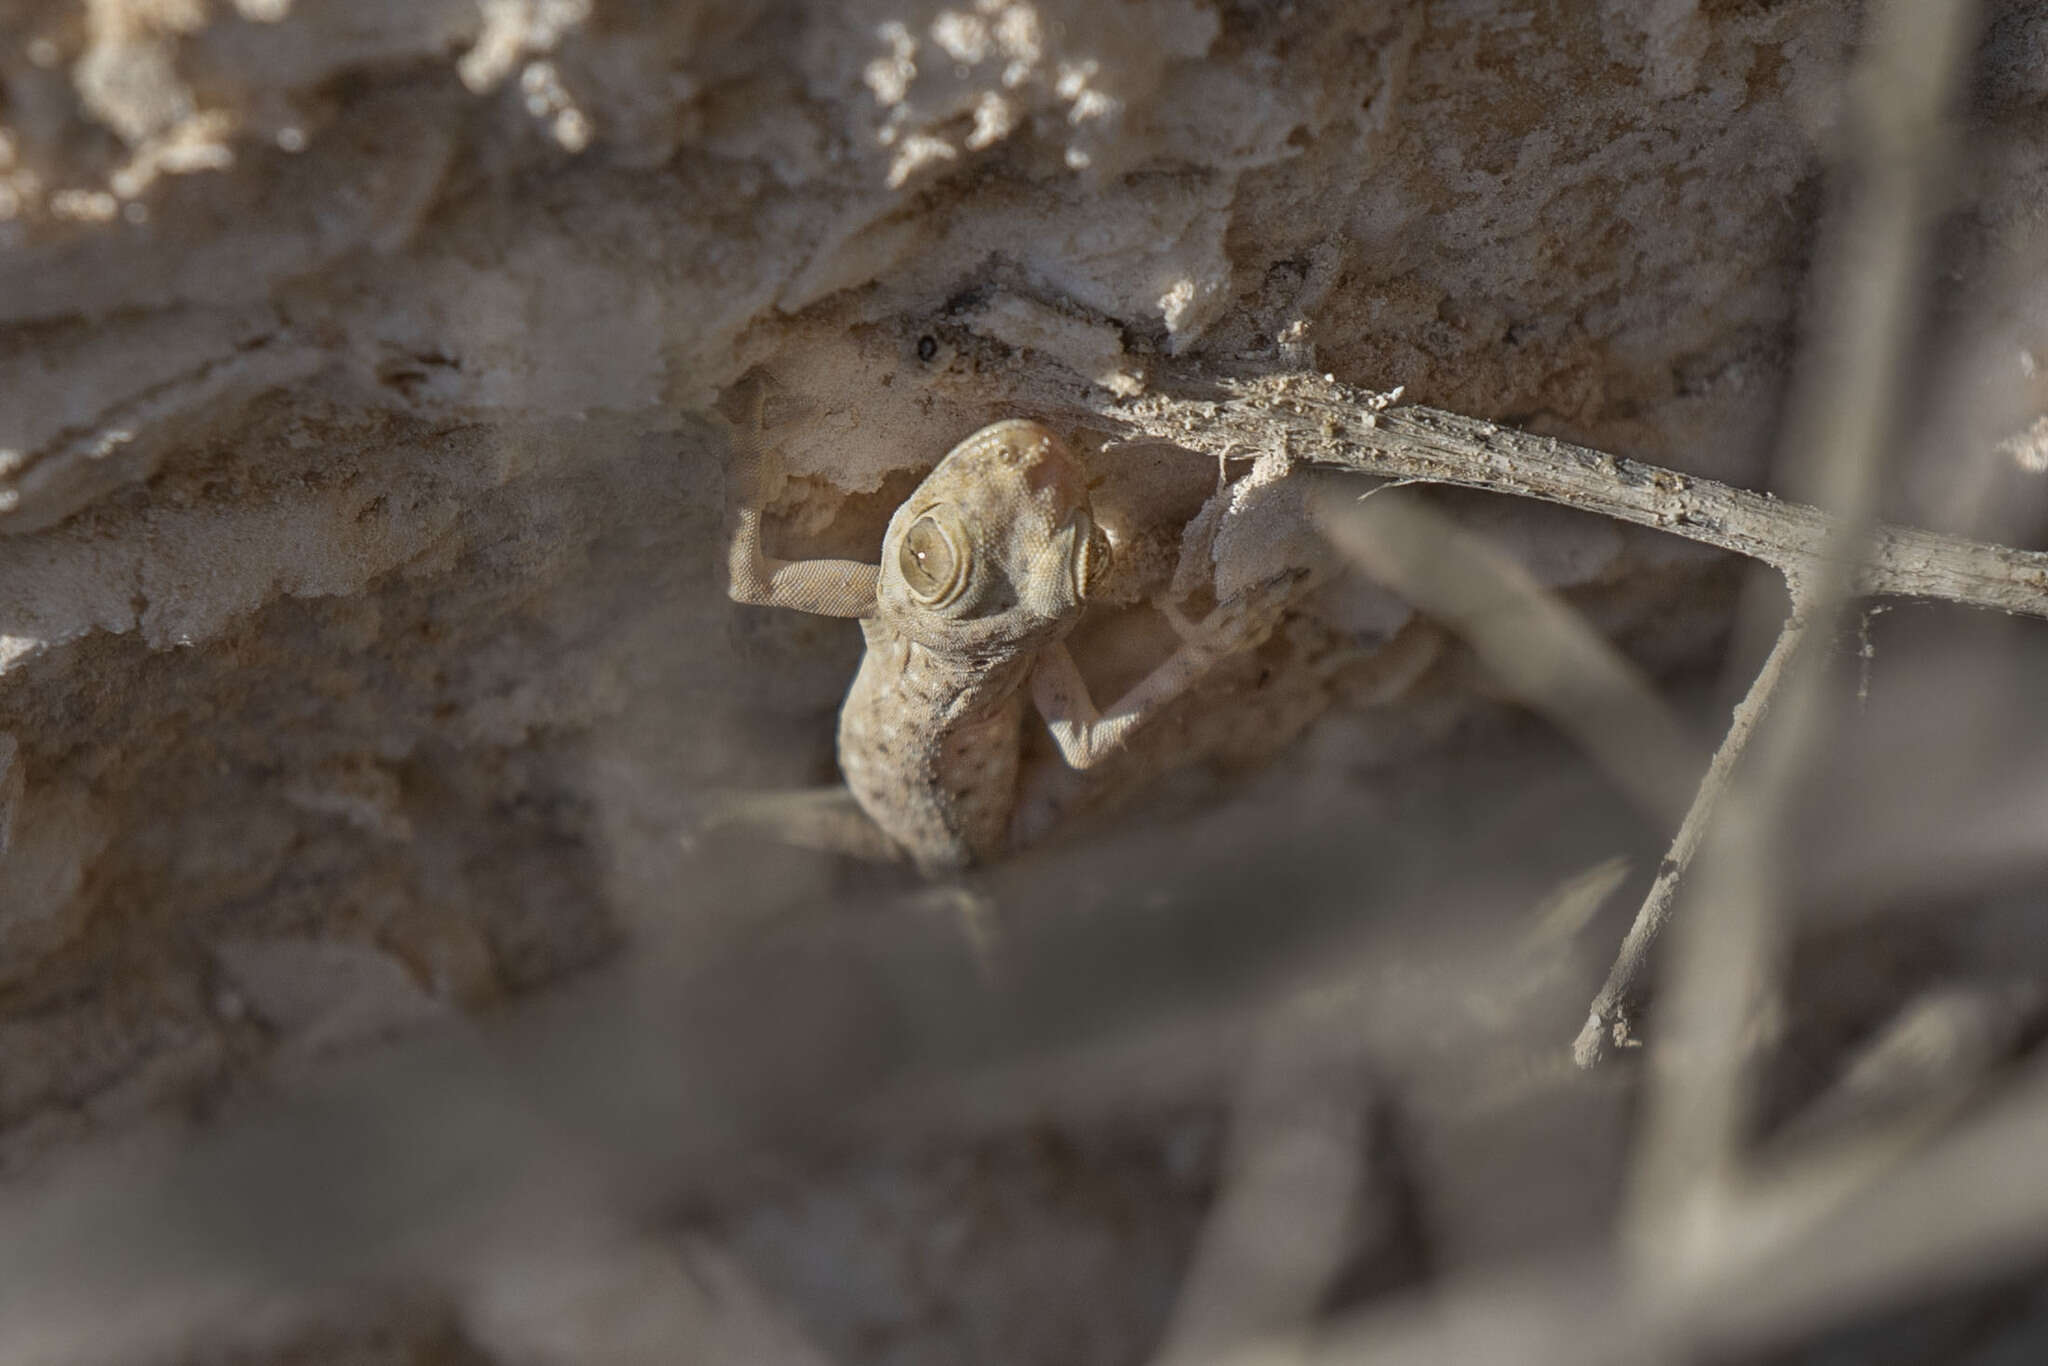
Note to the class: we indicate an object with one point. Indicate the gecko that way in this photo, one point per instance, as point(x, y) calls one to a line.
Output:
point(985, 568)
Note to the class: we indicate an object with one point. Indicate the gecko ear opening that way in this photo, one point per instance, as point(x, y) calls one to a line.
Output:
point(1091, 564)
point(933, 559)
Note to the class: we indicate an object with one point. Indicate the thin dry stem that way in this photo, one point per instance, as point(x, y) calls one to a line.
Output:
point(1610, 1024)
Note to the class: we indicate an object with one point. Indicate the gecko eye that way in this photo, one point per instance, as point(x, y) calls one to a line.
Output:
point(932, 564)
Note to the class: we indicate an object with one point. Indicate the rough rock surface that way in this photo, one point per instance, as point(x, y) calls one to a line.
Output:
point(362, 652)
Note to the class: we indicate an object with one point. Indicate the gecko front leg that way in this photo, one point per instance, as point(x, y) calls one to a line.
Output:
point(827, 819)
point(828, 588)
point(1086, 736)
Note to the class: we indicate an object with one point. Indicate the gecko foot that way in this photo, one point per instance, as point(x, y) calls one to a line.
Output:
point(1240, 622)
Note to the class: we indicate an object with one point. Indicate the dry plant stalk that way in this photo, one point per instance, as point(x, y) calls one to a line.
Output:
point(1323, 422)
point(1610, 1022)
point(1708, 1230)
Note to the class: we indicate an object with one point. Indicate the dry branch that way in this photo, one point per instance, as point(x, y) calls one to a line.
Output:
point(1327, 423)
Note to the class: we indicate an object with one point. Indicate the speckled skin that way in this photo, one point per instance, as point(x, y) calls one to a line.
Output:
point(929, 747)
point(931, 731)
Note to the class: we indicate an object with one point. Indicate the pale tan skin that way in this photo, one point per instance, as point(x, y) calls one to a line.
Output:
point(985, 569)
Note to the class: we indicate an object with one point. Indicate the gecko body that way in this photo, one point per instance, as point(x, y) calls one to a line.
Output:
point(985, 568)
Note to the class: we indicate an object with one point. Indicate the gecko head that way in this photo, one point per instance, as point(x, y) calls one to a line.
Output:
point(997, 549)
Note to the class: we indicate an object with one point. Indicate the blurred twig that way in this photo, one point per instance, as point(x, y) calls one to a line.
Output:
point(1723, 969)
point(1969, 1202)
point(1277, 1232)
point(650, 1086)
point(1542, 650)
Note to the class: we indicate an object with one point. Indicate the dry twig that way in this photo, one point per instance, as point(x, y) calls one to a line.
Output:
point(1610, 1023)
point(1324, 422)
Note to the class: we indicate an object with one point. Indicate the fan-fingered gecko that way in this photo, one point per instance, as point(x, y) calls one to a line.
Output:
point(985, 569)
